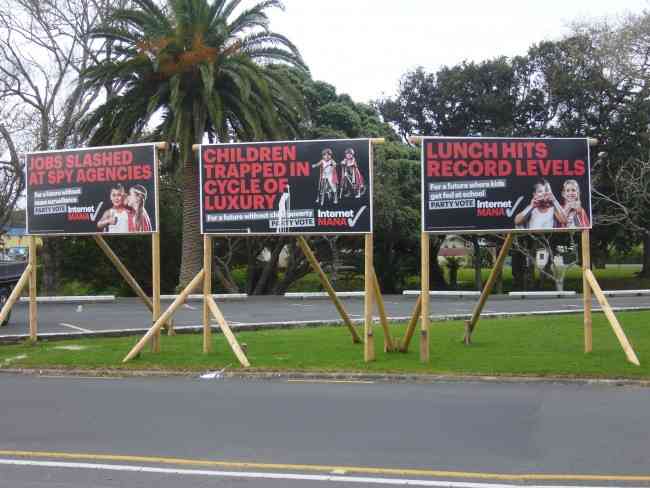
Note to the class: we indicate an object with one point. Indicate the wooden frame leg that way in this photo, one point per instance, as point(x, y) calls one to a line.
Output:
point(424, 298)
point(155, 285)
point(207, 293)
point(302, 242)
point(586, 291)
point(33, 310)
point(487, 289)
point(613, 321)
point(128, 277)
point(410, 329)
point(389, 345)
point(368, 336)
point(165, 316)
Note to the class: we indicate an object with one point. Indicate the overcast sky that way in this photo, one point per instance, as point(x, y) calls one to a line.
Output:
point(363, 47)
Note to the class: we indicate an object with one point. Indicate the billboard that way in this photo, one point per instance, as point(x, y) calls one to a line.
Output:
point(98, 190)
point(291, 187)
point(472, 185)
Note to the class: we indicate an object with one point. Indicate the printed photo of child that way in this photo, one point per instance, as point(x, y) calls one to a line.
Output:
point(575, 215)
point(116, 218)
point(543, 212)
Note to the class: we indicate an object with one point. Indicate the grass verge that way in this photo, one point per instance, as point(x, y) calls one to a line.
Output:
point(529, 346)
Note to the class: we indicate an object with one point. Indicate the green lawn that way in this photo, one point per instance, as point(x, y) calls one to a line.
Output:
point(541, 346)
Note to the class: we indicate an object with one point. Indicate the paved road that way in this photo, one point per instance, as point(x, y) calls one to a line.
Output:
point(132, 314)
point(599, 433)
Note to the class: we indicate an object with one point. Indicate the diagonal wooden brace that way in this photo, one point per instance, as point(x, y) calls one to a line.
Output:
point(356, 339)
point(227, 332)
point(196, 281)
point(487, 289)
point(613, 321)
point(15, 293)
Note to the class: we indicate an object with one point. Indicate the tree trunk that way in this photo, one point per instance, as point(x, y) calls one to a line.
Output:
point(297, 267)
point(436, 274)
point(192, 247)
point(269, 274)
point(478, 279)
point(51, 260)
point(518, 270)
point(645, 271)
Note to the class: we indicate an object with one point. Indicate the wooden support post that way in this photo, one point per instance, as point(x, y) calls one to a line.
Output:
point(369, 339)
point(128, 277)
point(165, 316)
point(586, 291)
point(155, 288)
point(389, 345)
point(130, 280)
point(302, 242)
point(227, 332)
point(487, 289)
point(424, 298)
point(613, 321)
point(15, 293)
point(33, 312)
point(207, 293)
point(410, 328)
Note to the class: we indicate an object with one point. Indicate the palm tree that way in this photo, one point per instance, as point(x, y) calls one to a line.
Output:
point(193, 69)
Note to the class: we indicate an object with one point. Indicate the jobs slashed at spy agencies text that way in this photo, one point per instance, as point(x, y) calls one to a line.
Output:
point(103, 166)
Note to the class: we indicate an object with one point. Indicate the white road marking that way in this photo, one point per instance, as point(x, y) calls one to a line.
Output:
point(297, 380)
point(187, 305)
point(262, 475)
point(64, 324)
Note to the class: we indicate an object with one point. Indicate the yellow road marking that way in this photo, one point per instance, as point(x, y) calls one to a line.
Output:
point(327, 468)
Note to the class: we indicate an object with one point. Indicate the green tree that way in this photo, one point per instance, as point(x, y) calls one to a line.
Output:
point(194, 69)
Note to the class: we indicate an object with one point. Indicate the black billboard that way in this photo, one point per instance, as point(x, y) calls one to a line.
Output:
point(505, 184)
point(291, 187)
point(97, 190)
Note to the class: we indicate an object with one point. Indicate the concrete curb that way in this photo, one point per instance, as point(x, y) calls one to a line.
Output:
point(217, 296)
point(271, 375)
point(72, 299)
point(526, 294)
point(542, 294)
point(323, 294)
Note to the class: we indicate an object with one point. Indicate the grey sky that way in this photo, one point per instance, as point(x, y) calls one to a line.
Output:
point(362, 47)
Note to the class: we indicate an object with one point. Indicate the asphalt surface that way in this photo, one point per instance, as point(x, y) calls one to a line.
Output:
point(490, 428)
point(272, 310)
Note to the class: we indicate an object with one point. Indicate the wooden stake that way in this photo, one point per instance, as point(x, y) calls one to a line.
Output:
point(388, 341)
point(586, 291)
point(15, 293)
point(424, 298)
point(369, 339)
point(410, 329)
point(33, 313)
point(207, 293)
point(155, 288)
point(613, 321)
point(227, 332)
point(165, 316)
point(302, 242)
point(487, 289)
